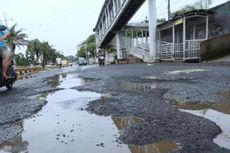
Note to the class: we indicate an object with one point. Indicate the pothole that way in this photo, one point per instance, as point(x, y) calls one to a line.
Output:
point(63, 125)
point(218, 113)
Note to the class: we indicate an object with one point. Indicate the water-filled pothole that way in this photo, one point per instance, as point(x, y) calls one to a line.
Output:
point(63, 126)
point(218, 113)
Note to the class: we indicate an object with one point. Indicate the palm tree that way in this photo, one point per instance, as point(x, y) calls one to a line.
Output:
point(34, 50)
point(16, 39)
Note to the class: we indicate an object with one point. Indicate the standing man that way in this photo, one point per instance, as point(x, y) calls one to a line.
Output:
point(4, 53)
point(59, 61)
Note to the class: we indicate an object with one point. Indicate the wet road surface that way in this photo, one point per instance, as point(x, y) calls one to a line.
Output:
point(124, 108)
point(64, 126)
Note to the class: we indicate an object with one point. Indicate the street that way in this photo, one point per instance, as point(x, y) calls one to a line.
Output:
point(137, 108)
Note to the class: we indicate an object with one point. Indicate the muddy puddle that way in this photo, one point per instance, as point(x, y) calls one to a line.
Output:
point(63, 126)
point(218, 113)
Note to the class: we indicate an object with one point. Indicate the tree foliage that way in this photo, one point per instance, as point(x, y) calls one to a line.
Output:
point(89, 46)
point(42, 51)
point(16, 39)
point(188, 8)
point(21, 60)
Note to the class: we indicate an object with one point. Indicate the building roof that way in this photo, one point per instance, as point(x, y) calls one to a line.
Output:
point(187, 14)
point(193, 13)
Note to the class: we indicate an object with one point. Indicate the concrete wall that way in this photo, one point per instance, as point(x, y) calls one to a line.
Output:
point(215, 48)
point(219, 20)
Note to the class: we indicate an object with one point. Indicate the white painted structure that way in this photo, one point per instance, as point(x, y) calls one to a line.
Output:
point(114, 15)
point(152, 30)
point(148, 42)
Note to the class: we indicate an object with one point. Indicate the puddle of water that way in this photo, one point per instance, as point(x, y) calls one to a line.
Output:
point(56, 80)
point(224, 107)
point(139, 87)
point(67, 81)
point(62, 126)
point(218, 113)
point(161, 147)
point(16, 145)
point(186, 71)
point(70, 81)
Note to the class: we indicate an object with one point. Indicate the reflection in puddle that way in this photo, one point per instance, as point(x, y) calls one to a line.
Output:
point(218, 113)
point(125, 122)
point(186, 71)
point(67, 81)
point(16, 145)
point(139, 87)
point(56, 80)
point(161, 147)
point(224, 108)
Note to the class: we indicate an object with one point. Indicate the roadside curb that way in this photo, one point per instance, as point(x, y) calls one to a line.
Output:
point(22, 71)
point(25, 72)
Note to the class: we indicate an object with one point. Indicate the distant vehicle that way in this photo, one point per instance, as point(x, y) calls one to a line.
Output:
point(70, 64)
point(101, 60)
point(82, 61)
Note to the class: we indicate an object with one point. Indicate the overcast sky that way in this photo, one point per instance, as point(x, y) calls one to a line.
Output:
point(65, 23)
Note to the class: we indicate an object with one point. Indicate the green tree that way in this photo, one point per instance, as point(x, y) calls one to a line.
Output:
point(34, 50)
point(89, 46)
point(17, 39)
point(21, 60)
point(42, 50)
point(71, 58)
point(188, 8)
point(45, 50)
point(81, 51)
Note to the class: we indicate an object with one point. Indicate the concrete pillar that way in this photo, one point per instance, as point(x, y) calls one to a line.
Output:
point(152, 29)
point(207, 25)
point(184, 37)
point(106, 57)
point(118, 45)
point(173, 40)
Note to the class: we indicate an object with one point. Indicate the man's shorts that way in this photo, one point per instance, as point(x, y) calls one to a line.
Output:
point(4, 52)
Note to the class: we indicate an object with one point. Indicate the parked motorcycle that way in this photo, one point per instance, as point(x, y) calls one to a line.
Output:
point(11, 74)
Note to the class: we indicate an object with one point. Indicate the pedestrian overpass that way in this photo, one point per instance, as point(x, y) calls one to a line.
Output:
point(114, 15)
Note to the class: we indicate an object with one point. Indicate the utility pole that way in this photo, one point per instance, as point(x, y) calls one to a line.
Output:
point(206, 4)
point(86, 53)
point(169, 12)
